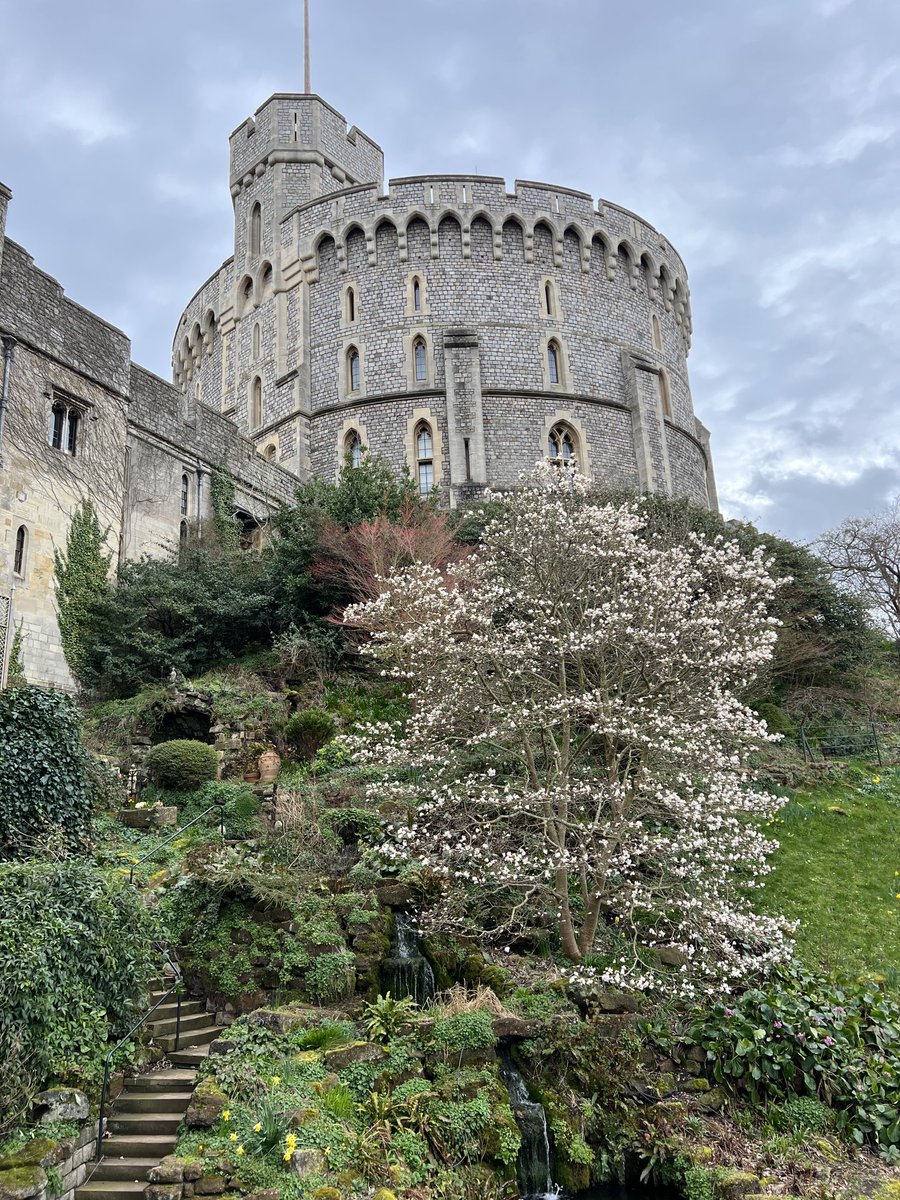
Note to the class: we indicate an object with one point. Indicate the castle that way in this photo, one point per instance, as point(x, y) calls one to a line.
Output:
point(455, 329)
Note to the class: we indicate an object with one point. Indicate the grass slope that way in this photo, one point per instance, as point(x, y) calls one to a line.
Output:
point(838, 873)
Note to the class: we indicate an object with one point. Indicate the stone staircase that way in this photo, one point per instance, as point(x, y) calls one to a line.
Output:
point(143, 1121)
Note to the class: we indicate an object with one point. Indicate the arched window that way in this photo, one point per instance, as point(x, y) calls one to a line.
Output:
point(256, 404)
point(255, 228)
point(57, 426)
point(553, 362)
point(247, 293)
point(271, 452)
point(351, 305)
point(424, 459)
point(417, 295)
point(267, 279)
point(72, 436)
point(562, 447)
point(185, 495)
point(182, 532)
point(256, 340)
point(548, 299)
point(353, 374)
point(19, 556)
point(421, 362)
point(353, 448)
point(665, 395)
point(656, 332)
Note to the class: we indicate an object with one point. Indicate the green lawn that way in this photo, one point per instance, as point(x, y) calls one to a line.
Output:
point(838, 873)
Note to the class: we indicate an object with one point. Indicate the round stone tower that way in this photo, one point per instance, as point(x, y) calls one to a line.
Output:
point(454, 328)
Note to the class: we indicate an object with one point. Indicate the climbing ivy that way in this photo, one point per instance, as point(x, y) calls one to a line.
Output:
point(82, 571)
point(222, 501)
point(45, 797)
point(16, 668)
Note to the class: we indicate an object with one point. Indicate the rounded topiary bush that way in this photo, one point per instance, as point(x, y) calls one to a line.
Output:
point(182, 765)
point(307, 731)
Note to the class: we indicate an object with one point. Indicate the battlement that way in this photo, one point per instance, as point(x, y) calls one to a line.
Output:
point(302, 129)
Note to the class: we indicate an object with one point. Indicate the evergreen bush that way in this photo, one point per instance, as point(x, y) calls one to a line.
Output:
point(182, 765)
point(45, 791)
point(307, 731)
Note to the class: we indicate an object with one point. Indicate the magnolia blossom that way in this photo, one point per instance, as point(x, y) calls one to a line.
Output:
point(577, 750)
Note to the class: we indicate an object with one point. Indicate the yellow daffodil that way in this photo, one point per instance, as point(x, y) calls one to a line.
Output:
point(233, 1137)
point(257, 1127)
point(276, 1079)
point(240, 1151)
point(226, 1114)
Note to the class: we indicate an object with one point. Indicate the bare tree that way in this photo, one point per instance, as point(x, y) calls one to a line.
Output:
point(864, 554)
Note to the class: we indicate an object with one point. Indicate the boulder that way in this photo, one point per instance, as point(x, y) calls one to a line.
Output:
point(20, 1183)
point(191, 1171)
point(738, 1184)
point(306, 1163)
point(222, 1046)
point(170, 1170)
point(343, 1056)
point(39, 1152)
point(283, 1021)
point(514, 1027)
point(209, 1185)
point(205, 1107)
point(63, 1104)
point(615, 1002)
point(163, 1191)
point(393, 894)
point(711, 1101)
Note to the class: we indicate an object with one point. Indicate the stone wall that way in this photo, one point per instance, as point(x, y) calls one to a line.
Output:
point(70, 1158)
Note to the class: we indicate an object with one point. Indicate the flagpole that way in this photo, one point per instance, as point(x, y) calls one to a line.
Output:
point(308, 87)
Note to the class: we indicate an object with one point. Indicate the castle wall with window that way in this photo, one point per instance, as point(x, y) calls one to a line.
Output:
point(83, 422)
point(497, 312)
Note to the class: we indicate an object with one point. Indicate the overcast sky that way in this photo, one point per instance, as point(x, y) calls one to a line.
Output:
point(760, 137)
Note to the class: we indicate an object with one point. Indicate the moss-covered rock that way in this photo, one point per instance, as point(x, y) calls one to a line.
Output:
point(206, 1106)
point(39, 1152)
point(20, 1183)
point(735, 1185)
point(325, 1193)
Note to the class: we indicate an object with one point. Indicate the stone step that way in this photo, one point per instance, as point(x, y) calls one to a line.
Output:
point(189, 1008)
point(154, 1101)
point(166, 1025)
point(130, 1169)
point(139, 1145)
point(141, 1123)
point(192, 1056)
point(191, 1039)
point(173, 1080)
point(108, 1189)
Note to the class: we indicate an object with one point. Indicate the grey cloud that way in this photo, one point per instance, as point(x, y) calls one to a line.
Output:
point(760, 138)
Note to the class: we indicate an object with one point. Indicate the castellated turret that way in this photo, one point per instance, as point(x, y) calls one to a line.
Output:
point(459, 330)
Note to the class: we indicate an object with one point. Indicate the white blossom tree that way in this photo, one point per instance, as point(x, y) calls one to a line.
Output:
point(576, 743)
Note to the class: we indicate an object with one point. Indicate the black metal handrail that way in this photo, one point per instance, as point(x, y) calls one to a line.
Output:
point(177, 986)
point(159, 845)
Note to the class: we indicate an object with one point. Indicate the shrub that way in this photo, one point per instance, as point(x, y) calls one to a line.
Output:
point(45, 793)
point(802, 1035)
point(307, 731)
point(240, 807)
point(75, 950)
point(182, 765)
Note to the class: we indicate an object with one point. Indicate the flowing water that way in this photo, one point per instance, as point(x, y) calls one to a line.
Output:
point(535, 1172)
point(407, 972)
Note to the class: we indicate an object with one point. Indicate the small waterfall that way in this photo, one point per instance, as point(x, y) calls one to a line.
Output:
point(407, 972)
point(534, 1170)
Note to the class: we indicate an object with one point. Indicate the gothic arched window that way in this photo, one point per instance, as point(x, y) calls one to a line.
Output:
point(353, 371)
point(351, 305)
point(548, 299)
point(257, 340)
point(417, 295)
point(256, 229)
point(19, 557)
point(256, 404)
point(424, 458)
point(562, 445)
point(185, 495)
point(421, 361)
point(353, 448)
point(553, 362)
